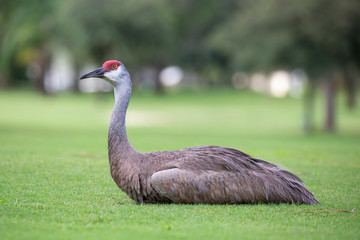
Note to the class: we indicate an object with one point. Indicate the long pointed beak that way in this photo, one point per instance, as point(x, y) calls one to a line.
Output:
point(98, 73)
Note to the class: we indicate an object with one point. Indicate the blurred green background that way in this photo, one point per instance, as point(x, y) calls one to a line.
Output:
point(276, 79)
point(271, 47)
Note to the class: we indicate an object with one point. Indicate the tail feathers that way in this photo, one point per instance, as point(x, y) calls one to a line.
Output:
point(296, 190)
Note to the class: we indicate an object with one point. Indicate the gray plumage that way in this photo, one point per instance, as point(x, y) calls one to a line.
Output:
point(206, 174)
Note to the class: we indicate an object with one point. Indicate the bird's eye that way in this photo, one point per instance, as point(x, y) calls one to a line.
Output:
point(115, 66)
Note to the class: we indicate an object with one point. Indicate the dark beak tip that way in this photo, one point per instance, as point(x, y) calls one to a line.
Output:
point(86, 75)
point(98, 73)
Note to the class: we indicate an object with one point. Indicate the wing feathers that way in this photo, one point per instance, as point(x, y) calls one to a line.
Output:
point(215, 175)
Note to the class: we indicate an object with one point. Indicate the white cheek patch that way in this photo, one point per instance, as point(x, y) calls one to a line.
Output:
point(113, 75)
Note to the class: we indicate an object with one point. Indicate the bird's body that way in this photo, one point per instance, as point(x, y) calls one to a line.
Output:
point(206, 174)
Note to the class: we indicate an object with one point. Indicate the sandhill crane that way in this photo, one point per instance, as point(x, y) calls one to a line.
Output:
point(206, 174)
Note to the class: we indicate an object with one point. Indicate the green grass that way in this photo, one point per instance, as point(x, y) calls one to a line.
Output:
point(55, 181)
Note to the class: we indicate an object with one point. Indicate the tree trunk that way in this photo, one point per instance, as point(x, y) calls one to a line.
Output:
point(309, 107)
point(76, 76)
point(350, 87)
point(159, 88)
point(44, 60)
point(330, 104)
point(4, 81)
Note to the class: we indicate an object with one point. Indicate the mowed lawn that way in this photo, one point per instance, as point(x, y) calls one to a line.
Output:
point(55, 181)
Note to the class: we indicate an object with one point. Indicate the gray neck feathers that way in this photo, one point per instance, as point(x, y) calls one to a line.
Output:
point(118, 143)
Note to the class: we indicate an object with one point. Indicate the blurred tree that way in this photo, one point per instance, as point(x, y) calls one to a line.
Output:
point(319, 36)
point(195, 21)
point(145, 33)
point(213, 38)
point(139, 31)
point(27, 33)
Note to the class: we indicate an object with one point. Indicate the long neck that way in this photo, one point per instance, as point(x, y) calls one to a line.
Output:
point(118, 144)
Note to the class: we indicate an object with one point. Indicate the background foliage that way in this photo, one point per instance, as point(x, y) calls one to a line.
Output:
point(318, 36)
point(212, 38)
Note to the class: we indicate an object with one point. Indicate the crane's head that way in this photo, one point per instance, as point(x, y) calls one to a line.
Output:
point(112, 71)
